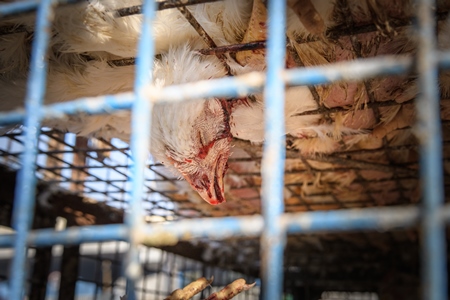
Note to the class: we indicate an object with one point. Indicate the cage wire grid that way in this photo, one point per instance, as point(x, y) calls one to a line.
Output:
point(93, 271)
point(273, 225)
point(162, 273)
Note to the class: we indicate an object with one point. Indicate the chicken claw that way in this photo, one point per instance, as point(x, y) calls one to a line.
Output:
point(190, 290)
point(231, 290)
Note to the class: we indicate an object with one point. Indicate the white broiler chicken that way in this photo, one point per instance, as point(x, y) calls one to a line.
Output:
point(192, 138)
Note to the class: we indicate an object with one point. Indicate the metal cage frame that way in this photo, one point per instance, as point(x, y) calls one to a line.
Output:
point(273, 225)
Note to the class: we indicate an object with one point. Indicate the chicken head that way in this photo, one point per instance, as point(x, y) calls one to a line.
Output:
point(196, 144)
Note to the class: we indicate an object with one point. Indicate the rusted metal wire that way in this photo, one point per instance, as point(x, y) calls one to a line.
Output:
point(258, 45)
point(325, 110)
point(204, 35)
point(162, 5)
point(299, 63)
point(356, 48)
point(122, 62)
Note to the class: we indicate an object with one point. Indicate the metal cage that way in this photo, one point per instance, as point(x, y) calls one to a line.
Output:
point(274, 224)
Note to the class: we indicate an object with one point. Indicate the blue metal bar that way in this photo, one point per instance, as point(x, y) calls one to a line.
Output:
point(273, 237)
point(25, 6)
point(358, 69)
point(238, 86)
point(140, 143)
point(379, 219)
point(26, 180)
point(428, 130)
point(70, 236)
point(18, 7)
point(443, 59)
point(90, 105)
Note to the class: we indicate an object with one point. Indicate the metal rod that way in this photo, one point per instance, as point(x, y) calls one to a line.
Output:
point(357, 70)
point(93, 105)
point(273, 237)
point(428, 131)
point(204, 35)
point(364, 219)
point(71, 236)
point(26, 181)
point(443, 59)
point(237, 86)
point(233, 48)
point(380, 219)
point(369, 105)
point(161, 5)
point(18, 7)
point(140, 142)
point(26, 6)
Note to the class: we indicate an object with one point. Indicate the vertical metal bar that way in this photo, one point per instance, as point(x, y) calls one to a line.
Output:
point(140, 142)
point(26, 183)
point(70, 264)
point(273, 237)
point(42, 261)
point(434, 275)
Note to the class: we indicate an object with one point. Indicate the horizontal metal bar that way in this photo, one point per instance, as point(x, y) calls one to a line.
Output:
point(161, 5)
point(359, 69)
point(18, 7)
point(26, 6)
point(365, 219)
point(238, 86)
point(223, 87)
point(71, 236)
point(379, 219)
point(90, 105)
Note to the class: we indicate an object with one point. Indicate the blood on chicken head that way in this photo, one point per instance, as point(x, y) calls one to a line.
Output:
point(203, 160)
point(206, 171)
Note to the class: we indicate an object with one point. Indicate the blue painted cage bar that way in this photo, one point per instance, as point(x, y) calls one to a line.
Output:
point(25, 189)
point(273, 225)
point(272, 166)
point(140, 124)
point(434, 261)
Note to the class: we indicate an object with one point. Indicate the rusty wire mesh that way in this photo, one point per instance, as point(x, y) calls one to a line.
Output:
point(357, 173)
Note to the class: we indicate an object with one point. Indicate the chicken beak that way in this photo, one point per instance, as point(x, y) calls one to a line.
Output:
point(216, 194)
point(209, 186)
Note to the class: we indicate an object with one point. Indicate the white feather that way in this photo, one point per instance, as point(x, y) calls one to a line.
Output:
point(95, 26)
